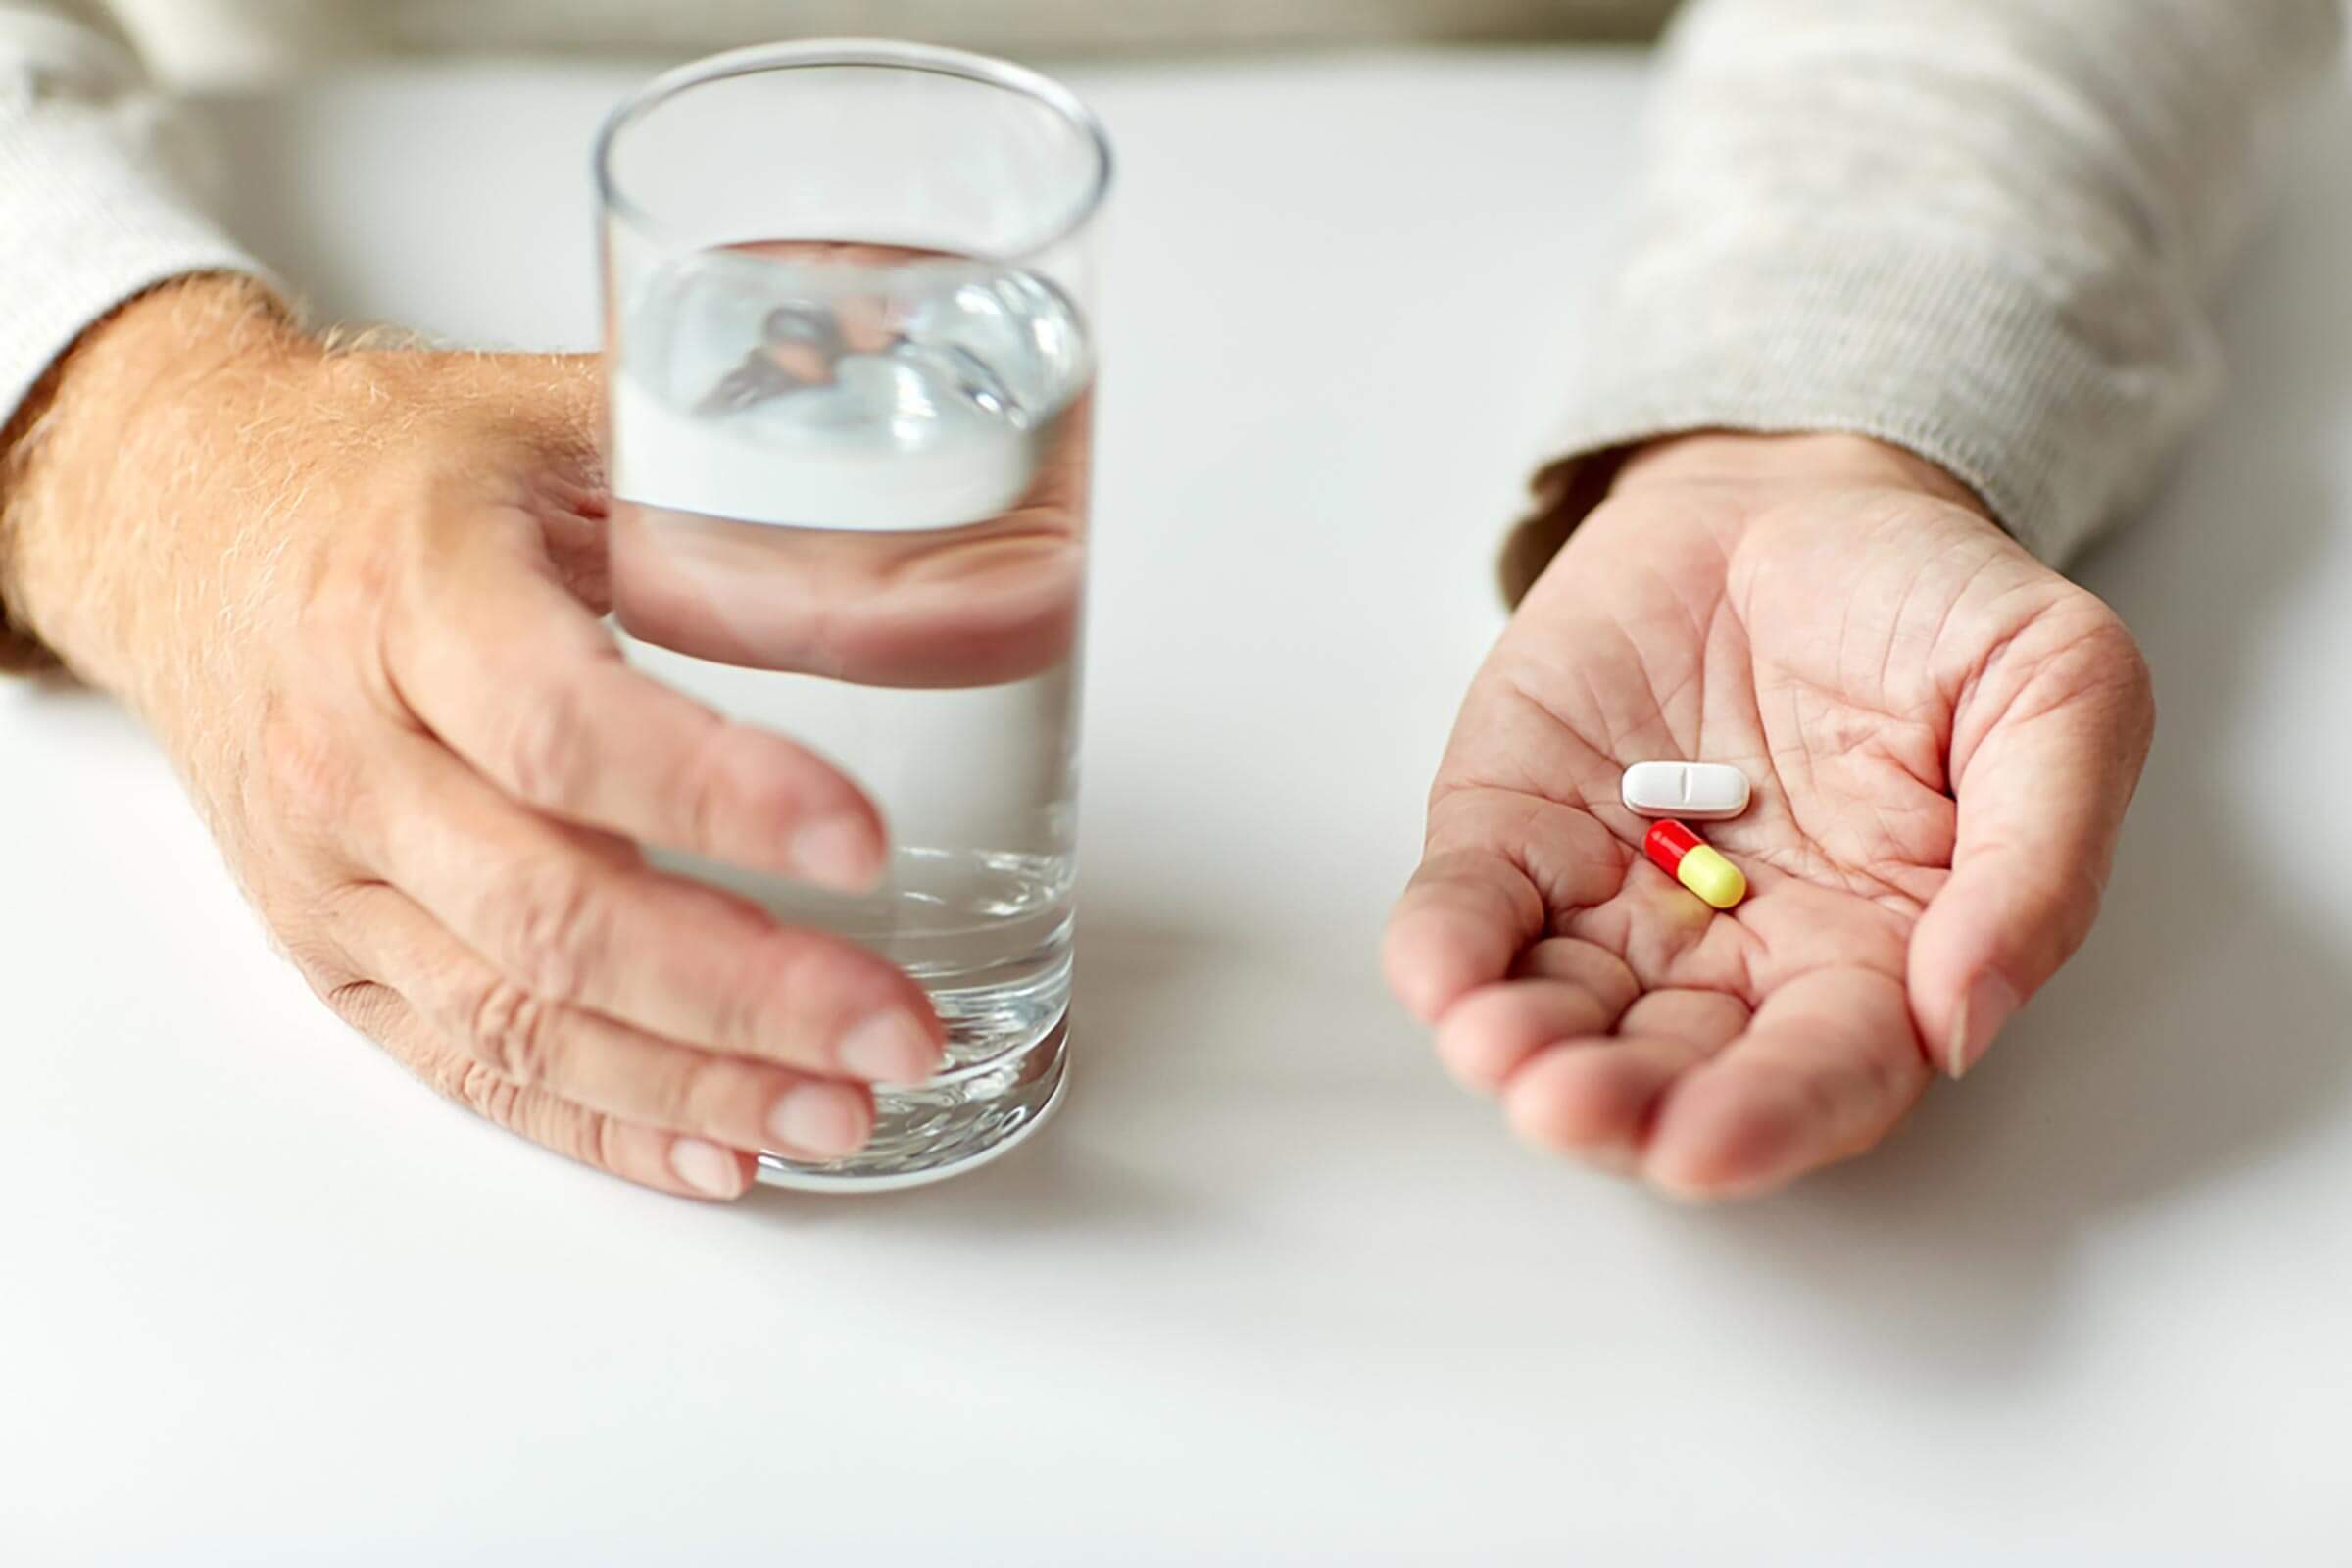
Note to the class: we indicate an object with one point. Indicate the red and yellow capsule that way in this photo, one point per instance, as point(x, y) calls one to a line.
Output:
point(1687, 857)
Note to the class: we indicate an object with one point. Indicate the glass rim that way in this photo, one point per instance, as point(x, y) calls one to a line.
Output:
point(873, 53)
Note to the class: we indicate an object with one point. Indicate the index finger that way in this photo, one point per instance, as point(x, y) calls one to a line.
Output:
point(1461, 922)
point(1497, 867)
point(515, 674)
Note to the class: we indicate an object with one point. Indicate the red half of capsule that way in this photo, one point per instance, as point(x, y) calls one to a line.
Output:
point(1666, 843)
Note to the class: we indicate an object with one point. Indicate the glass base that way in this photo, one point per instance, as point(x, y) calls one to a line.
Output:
point(957, 1121)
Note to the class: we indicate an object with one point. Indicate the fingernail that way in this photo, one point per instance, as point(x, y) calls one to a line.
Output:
point(890, 1048)
point(1988, 1006)
point(827, 1120)
point(708, 1168)
point(837, 852)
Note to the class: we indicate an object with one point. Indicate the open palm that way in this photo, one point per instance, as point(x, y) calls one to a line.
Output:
point(1941, 734)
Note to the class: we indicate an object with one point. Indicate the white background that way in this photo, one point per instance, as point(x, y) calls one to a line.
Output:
point(1270, 1290)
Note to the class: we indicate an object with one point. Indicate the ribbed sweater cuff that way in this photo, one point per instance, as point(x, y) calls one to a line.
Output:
point(1958, 356)
point(83, 227)
point(86, 222)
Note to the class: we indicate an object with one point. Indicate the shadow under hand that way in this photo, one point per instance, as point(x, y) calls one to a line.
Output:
point(2203, 1028)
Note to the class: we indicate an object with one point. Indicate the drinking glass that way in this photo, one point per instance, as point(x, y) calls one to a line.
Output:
point(850, 356)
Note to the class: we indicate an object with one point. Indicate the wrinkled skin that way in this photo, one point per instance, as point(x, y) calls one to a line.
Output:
point(1942, 736)
point(355, 595)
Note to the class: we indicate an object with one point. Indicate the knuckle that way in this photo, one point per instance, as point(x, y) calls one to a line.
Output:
point(572, 1131)
point(312, 779)
point(545, 751)
point(741, 1013)
point(322, 966)
point(697, 792)
point(792, 990)
point(676, 1090)
point(348, 606)
point(315, 930)
point(478, 1086)
point(361, 1004)
point(511, 1030)
point(552, 1123)
point(341, 594)
point(554, 919)
point(602, 1145)
point(695, 1092)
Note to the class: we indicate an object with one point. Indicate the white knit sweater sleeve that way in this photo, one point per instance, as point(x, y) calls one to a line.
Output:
point(1985, 230)
point(92, 210)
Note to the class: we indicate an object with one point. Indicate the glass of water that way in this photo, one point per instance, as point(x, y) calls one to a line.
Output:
point(848, 290)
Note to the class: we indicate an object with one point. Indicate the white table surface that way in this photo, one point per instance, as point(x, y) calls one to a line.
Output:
point(1270, 1290)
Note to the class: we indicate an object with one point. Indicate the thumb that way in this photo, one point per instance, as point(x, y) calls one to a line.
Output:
point(2047, 749)
point(551, 408)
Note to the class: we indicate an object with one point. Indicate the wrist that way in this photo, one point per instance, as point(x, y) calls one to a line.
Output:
point(1718, 458)
point(95, 463)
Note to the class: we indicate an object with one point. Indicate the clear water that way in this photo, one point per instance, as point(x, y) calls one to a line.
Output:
point(858, 518)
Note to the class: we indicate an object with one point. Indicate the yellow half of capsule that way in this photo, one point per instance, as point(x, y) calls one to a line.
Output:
point(1712, 877)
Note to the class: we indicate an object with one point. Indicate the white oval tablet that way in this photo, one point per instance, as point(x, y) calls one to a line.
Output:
point(1698, 791)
